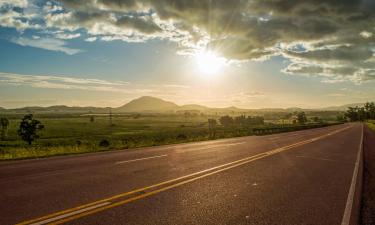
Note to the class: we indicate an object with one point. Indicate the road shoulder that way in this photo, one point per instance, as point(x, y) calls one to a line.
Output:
point(368, 191)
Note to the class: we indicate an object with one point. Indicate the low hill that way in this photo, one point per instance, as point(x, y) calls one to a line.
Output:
point(147, 104)
point(193, 107)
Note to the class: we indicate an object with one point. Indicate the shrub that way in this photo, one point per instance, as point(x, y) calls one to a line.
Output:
point(104, 143)
point(181, 136)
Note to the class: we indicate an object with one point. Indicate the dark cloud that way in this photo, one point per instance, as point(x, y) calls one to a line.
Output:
point(141, 24)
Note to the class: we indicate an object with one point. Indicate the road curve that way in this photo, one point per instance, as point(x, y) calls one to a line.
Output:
point(301, 177)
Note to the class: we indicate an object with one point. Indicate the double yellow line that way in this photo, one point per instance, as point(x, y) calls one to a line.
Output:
point(123, 198)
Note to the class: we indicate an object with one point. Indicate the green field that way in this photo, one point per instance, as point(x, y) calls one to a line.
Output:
point(371, 124)
point(71, 134)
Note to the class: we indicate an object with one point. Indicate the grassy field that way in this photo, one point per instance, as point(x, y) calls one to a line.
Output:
point(72, 134)
point(371, 124)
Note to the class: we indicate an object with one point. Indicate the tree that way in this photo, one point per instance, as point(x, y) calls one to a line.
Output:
point(352, 113)
point(240, 120)
point(28, 128)
point(301, 117)
point(361, 113)
point(256, 120)
point(370, 110)
point(212, 127)
point(4, 122)
point(226, 121)
point(340, 118)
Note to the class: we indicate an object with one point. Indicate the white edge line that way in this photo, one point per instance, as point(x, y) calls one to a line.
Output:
point(134, 160)
point(350, 199)
point(70, 214)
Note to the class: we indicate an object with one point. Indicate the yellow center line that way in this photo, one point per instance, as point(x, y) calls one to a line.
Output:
point(186, 179)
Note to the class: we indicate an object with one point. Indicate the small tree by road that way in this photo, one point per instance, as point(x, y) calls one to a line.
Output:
point(301, 117)
point(212, 127)
point(28, 128)
point(4, 123)
point(226, 121)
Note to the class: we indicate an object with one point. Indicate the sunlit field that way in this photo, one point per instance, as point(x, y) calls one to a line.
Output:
point(70, 134)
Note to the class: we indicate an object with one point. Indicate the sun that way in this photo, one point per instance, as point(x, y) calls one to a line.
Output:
point(209, 63)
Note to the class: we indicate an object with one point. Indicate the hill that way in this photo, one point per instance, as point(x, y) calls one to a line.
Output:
point(147, 104)
point(192, 107)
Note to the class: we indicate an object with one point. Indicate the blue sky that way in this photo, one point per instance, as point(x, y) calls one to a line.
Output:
point(63, 52)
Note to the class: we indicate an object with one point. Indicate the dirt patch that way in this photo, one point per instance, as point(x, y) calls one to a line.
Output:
point(368, 191)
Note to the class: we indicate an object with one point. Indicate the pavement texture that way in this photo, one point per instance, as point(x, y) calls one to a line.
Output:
point(299, 177)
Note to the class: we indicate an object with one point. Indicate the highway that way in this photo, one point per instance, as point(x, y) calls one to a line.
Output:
point(302, 177)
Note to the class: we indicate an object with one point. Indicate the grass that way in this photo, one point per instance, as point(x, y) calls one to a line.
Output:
point(73, 134)
point(371, 124)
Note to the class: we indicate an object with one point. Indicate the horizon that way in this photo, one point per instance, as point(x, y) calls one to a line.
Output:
point(180, 105)
point(106, 53)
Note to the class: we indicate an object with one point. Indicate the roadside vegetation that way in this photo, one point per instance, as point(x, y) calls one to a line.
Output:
point(42, 135)
point(367, 112)
point(371, 124)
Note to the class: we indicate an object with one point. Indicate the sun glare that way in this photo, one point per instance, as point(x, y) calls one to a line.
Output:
point(209, 63)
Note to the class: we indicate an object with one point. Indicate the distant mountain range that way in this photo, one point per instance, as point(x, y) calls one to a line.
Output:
point(148, 104)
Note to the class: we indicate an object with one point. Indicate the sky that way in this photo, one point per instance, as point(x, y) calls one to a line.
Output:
point(219, 53)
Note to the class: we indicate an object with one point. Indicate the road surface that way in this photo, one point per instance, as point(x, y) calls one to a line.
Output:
point(302, 177)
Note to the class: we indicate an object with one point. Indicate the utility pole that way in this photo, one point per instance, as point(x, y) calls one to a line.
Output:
point(110, 117)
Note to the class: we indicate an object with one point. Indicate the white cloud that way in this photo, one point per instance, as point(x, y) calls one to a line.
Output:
point(91, 39)
point(67, 36)
point(46, 43)
point(73, 83)
point(13, 19)
point(14, 3)
point(365, 34)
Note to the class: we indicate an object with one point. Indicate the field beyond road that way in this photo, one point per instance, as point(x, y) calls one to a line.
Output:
point(72, 134)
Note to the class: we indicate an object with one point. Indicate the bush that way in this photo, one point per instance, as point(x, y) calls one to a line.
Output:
point(181, 136)
point(104, 143)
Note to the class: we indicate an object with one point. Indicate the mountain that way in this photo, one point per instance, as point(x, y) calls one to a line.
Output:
point(147, 104)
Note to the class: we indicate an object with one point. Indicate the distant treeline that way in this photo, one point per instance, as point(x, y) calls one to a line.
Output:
point(367, 112)
point(242, 120)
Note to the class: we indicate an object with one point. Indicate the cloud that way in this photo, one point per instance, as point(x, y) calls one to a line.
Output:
point(65, 83)
point(46, 43)
point(66, 36)
point(98, 85)
point(13, 19)
point(329, 39)
point(336, 35)
point(91, 39)
point(14, 3)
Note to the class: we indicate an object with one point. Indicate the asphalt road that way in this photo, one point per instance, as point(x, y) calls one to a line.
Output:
point(301, 177)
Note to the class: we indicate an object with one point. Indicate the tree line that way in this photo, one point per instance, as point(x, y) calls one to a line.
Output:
point(366, 112)
point(231, 122)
